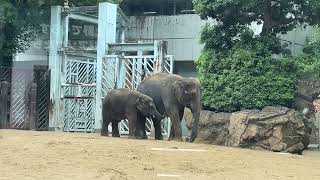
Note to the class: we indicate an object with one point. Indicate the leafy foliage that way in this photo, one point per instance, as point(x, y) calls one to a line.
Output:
point(246, 77)
point(277, 16)
point(238, 69)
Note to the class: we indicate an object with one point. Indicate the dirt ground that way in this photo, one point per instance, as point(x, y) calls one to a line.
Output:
point(52, 155)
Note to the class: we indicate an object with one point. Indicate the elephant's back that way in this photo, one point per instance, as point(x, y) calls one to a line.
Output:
point(161, 77)
point(157, 80)
point(117, 95)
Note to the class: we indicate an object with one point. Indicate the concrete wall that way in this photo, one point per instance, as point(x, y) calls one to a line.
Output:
point(182, 33)
point(298, 38)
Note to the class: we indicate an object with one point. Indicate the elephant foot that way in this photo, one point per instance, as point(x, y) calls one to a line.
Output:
point(104, 134)
point(175, 139)
point(159, 138)
point(116, 135)
point(132, 137)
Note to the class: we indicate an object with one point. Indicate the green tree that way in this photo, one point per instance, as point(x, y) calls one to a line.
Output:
point(19, 23)
point(237, 68)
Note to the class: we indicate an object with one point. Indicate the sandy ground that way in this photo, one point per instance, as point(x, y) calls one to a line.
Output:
point(52, 155)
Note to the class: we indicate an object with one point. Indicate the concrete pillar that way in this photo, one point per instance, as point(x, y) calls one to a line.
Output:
point(106, 34)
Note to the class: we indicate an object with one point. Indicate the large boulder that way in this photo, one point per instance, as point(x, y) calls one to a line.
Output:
point(277, 129)
point(213, 127)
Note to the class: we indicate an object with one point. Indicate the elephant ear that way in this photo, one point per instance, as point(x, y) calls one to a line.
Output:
point(139, 104)
point(177, 89)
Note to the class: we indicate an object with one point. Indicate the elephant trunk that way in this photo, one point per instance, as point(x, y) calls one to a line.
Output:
point(157, 114)
point(195, 109)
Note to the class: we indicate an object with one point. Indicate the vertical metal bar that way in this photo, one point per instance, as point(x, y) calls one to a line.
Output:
point(116, 72)
point(62, 72)
point(68, 115)
point(4, 97)
point(133, 73)
point(106, 34)
point(33, 109)
point(145, 65)
point(171, 64)
point(65, 21)
point(169, 127)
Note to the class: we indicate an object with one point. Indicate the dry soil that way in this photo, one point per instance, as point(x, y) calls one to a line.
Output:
point(53, 155)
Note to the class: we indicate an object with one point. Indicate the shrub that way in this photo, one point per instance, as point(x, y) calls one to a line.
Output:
point(247, 76)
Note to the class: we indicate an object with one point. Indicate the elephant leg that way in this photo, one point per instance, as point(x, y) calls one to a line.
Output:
point(172, 134)
point(132, 118)
point(105, 123)
point(141, 126)
point(115, 129)
point(176, 124)
point(157, 129)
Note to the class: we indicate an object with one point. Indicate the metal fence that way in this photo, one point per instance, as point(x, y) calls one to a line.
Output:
point(24, 98)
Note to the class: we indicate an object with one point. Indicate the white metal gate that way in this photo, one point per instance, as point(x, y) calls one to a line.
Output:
point(127, 72)
point(78, 93)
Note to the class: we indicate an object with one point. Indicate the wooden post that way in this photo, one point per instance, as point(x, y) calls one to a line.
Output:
point(33, 108)
point(4, 97)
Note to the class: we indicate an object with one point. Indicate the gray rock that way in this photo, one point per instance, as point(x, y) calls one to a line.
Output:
point(213, 127)
point(277, 129)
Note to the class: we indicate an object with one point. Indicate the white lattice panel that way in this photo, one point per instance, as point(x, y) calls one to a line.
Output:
point(80, 79)
point(19, 82)
point(127, 72)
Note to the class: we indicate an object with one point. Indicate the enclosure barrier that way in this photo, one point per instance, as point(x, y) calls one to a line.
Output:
point(81, 77)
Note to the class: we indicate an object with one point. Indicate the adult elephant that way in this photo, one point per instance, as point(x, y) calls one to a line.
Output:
point(171, 94)
point(126, 103)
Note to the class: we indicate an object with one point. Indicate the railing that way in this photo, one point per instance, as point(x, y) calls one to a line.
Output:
point(127, 72)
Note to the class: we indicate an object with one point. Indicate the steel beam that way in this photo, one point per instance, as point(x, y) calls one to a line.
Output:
point(86, 9)
point(84, 17)
point(127, 47)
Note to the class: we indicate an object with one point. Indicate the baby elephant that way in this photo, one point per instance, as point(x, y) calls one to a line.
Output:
point(125, 104)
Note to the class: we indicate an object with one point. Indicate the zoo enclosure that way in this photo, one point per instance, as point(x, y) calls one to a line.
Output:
point(81, 77)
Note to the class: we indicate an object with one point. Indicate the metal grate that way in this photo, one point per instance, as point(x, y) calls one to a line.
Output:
point(19, 82)
point(78, 93)
point(42, 79)
point(5, 73)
